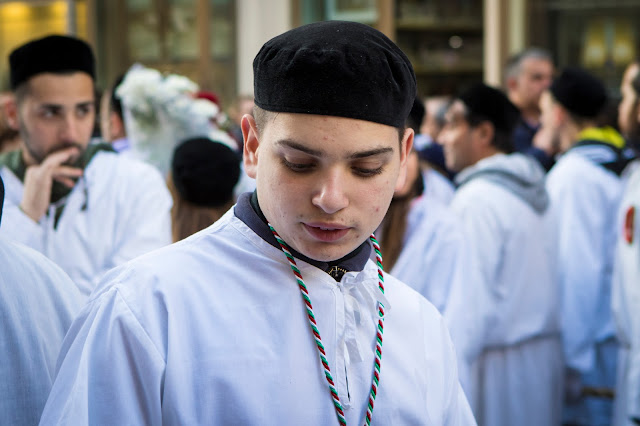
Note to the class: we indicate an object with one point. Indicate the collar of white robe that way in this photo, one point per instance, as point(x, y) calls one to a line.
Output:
point(316, 333)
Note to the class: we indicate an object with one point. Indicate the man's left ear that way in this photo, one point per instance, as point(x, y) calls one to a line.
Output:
point(405, 149)
point(485, 132)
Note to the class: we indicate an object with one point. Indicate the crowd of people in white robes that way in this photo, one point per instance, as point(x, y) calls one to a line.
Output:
point(141, 274)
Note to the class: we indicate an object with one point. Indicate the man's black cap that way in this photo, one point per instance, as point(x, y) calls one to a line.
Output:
point(54, 54)
point(491, 104)
point(581, 93)
point(205, 172)
point(335, 68)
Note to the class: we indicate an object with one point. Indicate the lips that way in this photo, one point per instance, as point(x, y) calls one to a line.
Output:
point(327, 233)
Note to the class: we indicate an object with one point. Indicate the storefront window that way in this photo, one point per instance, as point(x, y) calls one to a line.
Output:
point(194, 38)
point(22, 21)
point(598, 36)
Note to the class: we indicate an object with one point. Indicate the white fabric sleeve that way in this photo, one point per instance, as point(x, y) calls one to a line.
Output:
point(581, 259)
point(23, 229)
point(109, 371)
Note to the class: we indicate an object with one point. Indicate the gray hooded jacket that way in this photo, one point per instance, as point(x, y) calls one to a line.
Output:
point(520, 174)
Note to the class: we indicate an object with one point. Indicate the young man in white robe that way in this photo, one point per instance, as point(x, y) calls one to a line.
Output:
point(80, 204)
point(585, 189)
point(38, 301)
point(505, 323)
point(225, 327)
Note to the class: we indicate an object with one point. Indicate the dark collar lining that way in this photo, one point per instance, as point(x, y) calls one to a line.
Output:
point(248, 211)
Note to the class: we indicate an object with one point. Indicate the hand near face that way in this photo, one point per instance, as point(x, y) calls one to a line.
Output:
point(545, 140)
point(38, 181)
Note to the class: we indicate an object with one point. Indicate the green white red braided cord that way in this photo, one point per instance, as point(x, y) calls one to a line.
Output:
point(316, 333)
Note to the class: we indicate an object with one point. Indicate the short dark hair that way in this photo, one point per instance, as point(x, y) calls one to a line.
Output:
point(115, 102)
point(502, 139)
point(262, 116)
point(23, 89)
point(416, 115)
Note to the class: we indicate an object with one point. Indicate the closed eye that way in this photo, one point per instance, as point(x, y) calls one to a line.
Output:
point(298, 167)
point(366, 172)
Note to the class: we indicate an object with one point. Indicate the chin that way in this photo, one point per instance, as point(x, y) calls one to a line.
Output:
point(326, 254)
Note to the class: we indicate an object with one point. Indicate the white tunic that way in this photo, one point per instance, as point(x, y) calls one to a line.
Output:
point(212, 330)
point(437, 187)
point(435, 255)
point(37, 304)
point(120, 209)
point(505, 324)
point(626, 304)
point(586, 198)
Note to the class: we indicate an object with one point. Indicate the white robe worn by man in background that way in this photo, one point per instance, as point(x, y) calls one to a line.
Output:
point(626, 304)
point(505, 326)
point(435, 254)
point(586, 198)
point(118, 210)
point(186, 335)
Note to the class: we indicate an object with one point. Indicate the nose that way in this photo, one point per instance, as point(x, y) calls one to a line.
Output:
point(331, 196)
point(443, 137)
point(70, 129)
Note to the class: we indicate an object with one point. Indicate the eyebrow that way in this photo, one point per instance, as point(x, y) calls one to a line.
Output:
point(317, 153)
point(60, 106)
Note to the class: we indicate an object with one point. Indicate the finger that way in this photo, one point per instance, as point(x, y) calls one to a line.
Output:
point(70, 183)
point(59, 157)
point(66, 171)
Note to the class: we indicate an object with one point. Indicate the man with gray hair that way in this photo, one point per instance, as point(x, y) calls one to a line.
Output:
point(528, 74)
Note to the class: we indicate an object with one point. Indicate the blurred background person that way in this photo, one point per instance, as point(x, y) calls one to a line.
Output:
point(628, 110)
point(505, 325)
point(112, 126)
point(527, 75)
point(626, 304)
point(626, 273)
point(423, 243)
point(38, 301)
point(435, 181)
point(585, 189)
point(80, 204)
point(203, 175)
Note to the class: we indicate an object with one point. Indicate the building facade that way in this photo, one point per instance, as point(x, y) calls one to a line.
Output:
point(450, 42)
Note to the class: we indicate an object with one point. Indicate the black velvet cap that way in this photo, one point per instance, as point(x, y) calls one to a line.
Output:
point(581, 93)
point(1, 197)
point(53, 54)
point(204, 171)
point(335, 68)
point(492, 105)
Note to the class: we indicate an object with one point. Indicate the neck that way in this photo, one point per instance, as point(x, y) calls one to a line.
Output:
point(529, 113)
point(487, 152)
point(569, 136)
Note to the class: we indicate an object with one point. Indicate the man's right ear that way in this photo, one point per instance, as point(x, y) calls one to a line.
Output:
point(251, 144)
